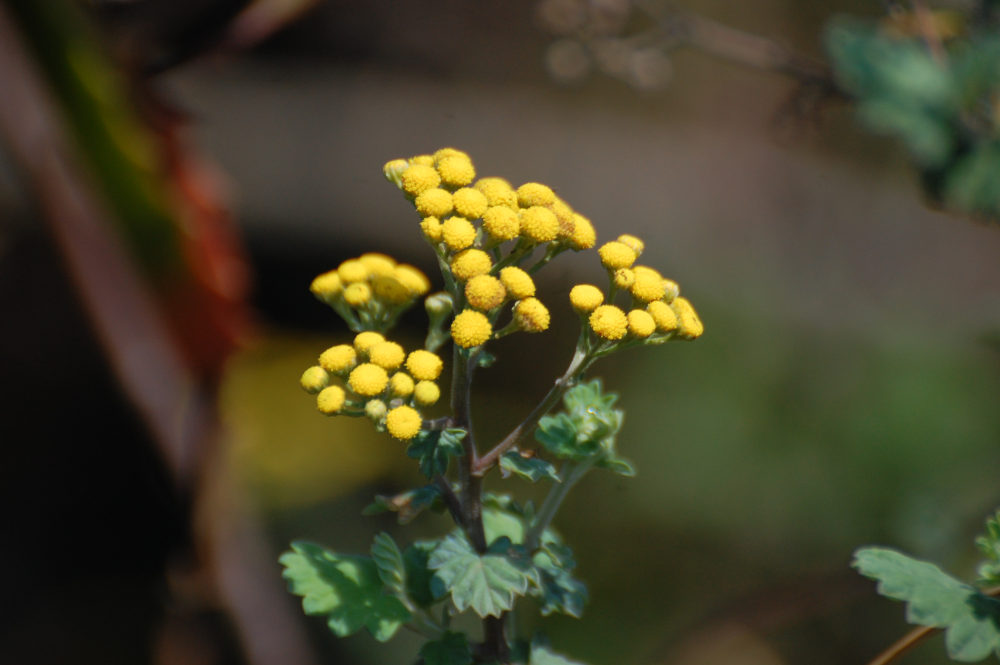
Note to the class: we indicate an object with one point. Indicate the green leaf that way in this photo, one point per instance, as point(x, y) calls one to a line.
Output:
point(435, 448)
point(587, 430)
point(488, 583)
point(500, 523)
point(450, 649)
point(407, 504)
point(418, 575)
point(557, 589)
point(542, 654)
point(529, 468)
point(389, 564)
point(617, 465)
point(346, 589)
point(989, 545)
point(936, 599)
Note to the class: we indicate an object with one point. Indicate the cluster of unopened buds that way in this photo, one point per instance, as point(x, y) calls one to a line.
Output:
point(490, 238)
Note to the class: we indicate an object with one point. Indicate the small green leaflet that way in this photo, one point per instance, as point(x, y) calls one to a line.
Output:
point(418, 575)
point(406, 505)
point(389, 564)
point(971, 620)
point(346, 589)
point(529, 468)
point(487, 583)
point(435, 448)
point(989, 545)
point(541, 654)
point(450, 649)
point(557, 589)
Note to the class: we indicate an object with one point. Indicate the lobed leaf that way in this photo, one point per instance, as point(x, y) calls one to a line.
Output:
point(450, 649)
point(435, 448)
point(418, 574)
point(529, 468)
point(346, 589)
point(407, 504)
point(389, 564)
point(971, 620)
point(557, 589)
point(488, 583)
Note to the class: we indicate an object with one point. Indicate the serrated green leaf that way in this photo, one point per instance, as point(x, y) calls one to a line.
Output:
point(389, 564)
point(499, 523)
point(936, 599)
point(529, 468)
point(407, 504)
point(344, 588)
point(418, 575)
point(488, 583)
point(542, 654)
point(989, 545)
point(435, 448)
point(558, 434)
point(450, 649)
point(557, 589)
point(617, 465)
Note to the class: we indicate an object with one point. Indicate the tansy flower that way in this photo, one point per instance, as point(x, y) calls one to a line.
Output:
point(330, 400)
point(564, 215)
point(364, 341)
point(635, 243)
point(388, 289)
point(387, 355)
point(615, 255)
point(470, 203)
point(338, 359)
point(647, 287)
point(377, 264)
point(441, 153)
point(423, 160)
point(485, 292)
point(539, 224)
point(470, 328)
point(518, 283)
point(690, 326)
point(641, 323)
point(498, 192)
point(431, 227)
point(393, 170)
point(368, 379)
point(403, 422)
point(352, 270)
point(670, 289)
point(585, 297)
point(456, 170)
point(426, 393)
point(531, 315)
point(357, 294)
point(609, 322)
point(376, 409)
point(419, 178)
point(663, 315)
point(501, 223)
point(424, 365)
point(584, 236)
point(624, 278)
point(469, 263)
point(327, 286)
point(458, 233)
point(434, 202)
point(415, 281)
point(314, 379)
point(401, 384)
point(534, 194)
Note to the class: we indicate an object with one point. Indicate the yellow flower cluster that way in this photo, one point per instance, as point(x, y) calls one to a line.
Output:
point(371, 290)
point(656, 313)
point(379, 380)
point(468, 222)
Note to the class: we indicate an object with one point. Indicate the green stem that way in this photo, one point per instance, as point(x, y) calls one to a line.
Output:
point(549, 508)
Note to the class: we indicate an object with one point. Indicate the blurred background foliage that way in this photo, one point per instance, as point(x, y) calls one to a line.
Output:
point(843, 394)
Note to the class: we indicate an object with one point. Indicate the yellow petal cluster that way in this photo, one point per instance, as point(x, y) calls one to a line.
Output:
point(470, 328)
point(403, 422)
point(371, 287)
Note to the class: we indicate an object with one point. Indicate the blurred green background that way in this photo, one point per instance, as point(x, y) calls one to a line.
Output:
point(844, 393)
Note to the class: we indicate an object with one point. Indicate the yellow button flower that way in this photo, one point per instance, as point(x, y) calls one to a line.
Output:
point(368, 380)
point(364, 341)
point(357, 294)
point(584, 236)
point(564, 215)
point(470, 328)
point(531, 315)
point(647, 287)
point(431, 227)
point(434, 202)
point(377, 264)
point(393, 170)
point(426, 393)
point(419, 178)
point(314, 379)
point(327, 286)
point(456, 170)
point(387, 355)
point(624, 278)
point(403, 422)
point(376, 409)
point(615, 255)
point(518, 283)
point(423, 160)
point(352, 270)
point(690, 326)
point(470, 203)
point(609, 322)
point(442, 153)
point(469, 263)
point(338, 359)
point(501, 223)
point(330, 400)
point(539, 224)
point(585, 297)
point(498, 192)
point(535, 194)
point(485, 292)
point(401, 384)
point(671, 290)
point(641, 323)
point(458, 233)
point(413, 279)
point(390, 290)
point(424, 365)
point(636, 244)
point(665, 318)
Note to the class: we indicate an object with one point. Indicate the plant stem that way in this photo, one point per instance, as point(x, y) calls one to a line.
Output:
point(574, 472)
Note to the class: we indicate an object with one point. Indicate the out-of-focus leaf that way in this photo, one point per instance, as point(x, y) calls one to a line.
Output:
point(450, 649)
point(435, 448)
point(487, 583)
point(529, 468)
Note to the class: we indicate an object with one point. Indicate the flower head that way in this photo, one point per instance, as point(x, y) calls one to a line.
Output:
point(364, 341)
point(368, 379)
point(469, 263)
point(609, 322)
point(456, 170)
point(377, 264)
point(401, 384)
point(648, 285)
point(352, 270)
point(636, 244)
point(458, 233)
point(663, 315)
point(498, 192)
point(387, 355)
point(641, 323)
point(412, 279)
point(470, 328)
point(314, 379)
point(424, 365)
point(690, 326)
point(485, 292)
point(376, 409)
point(403, 422)
point(518, 283)
point(615, 255)
point(327, 286)
point(330, 400)
point(531, 315)
point(501, 223)
point(338, 359)
point(426, 393)
point(418, 178)
point(431, 227)
point(434, 202)
point(357, 294)
point(535, 194)
point(583, 236)
point(470, 203)
point(539, 224)
point(585, 297)
point(623, 278)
